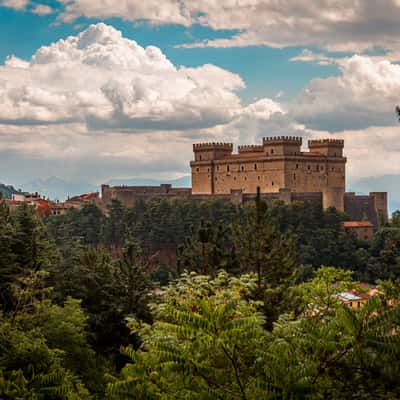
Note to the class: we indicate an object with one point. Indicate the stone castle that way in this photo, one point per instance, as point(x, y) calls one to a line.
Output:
point(277, 163)
point(278, 167)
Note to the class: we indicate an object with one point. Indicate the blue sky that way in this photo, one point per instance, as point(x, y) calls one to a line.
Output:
point(266, 71)
point(98, 106)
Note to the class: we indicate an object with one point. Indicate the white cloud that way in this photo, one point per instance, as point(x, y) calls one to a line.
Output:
point(336, 25)
point(157, 12)
point(364, 94)
point(105, 80)
point(41, 9)
point(15, 4)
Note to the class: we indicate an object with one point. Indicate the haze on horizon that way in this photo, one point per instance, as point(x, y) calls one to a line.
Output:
point(94, 90)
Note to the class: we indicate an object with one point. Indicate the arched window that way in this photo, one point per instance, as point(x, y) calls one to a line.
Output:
point(255, 166)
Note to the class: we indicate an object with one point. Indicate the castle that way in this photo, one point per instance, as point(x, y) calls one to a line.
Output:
point(277, 163)
point(278, 167)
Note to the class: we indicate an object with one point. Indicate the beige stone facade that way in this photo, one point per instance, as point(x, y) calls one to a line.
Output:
point(277, 164)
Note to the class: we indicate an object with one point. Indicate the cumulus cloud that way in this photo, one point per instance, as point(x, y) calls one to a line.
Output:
point(15, 4)
point(336, 25)
point(100, 78)
point(41, 9)
point(363, 95)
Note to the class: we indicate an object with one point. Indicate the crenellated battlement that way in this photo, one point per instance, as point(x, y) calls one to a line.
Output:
point(325, 142)
point(250, 148)
point(283, 139)
point(213, 146)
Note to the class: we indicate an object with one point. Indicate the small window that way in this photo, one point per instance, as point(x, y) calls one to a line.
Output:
point(217, 167)
point(272, 183)
point(242, 168)
point(255, 167)
point(272, 151)
point(259, 177)
point(297, 166)
point(197, 169)
point(227, 168)
point(234, 178)
point(245, 178)
point(358, 304)
point(351, 304)
point(208, 169)
point(294, 177)
point(308, 167)
point(200, 157)
point(317, 168)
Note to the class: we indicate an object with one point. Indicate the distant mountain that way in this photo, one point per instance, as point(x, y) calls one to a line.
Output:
point(57, 188)
point(7, 190)
point(386, 183)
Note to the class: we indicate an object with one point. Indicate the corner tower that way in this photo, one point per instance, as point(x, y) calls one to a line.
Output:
point(335, 171)
point(205, 155)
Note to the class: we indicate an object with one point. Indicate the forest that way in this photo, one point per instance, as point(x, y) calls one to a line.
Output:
point(250, 311)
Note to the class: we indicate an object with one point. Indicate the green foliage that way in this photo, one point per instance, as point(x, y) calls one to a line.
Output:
point(208, 342)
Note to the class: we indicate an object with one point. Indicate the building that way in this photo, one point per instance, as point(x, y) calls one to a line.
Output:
point(278, 167)
point(277, 164)
point(364, 230)
point(128, 195)
point(356, 298)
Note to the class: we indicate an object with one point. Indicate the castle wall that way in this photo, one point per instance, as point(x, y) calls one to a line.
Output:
point(128, 195)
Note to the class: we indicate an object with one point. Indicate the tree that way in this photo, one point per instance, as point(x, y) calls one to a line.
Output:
point(208, 250)
point(203, 345)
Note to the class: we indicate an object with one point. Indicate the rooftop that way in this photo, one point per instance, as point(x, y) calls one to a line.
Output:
point(357, 224)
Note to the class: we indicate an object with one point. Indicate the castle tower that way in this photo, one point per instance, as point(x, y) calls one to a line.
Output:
point(335, 171)
point(205, 155)
point(282, 145)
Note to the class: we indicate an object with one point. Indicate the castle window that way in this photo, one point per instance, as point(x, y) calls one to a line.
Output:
point(259, 177)
point(227, 168)
point(200, 157)
point(197, 169)
point(297, 166)
point(208, 169)
point(308, 167)
point(272, 183)
point(272, 151)
point(255, 166)
point(317, 168)
point(245, 178)
point(294, 176)
point(242, 168)
point(234, 178)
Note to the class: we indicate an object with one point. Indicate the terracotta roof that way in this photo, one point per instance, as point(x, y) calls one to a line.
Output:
point(357, 224)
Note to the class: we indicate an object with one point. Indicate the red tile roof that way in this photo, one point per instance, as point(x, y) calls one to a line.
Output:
point(357, 224)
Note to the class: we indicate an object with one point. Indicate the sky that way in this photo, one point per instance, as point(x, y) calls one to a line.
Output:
point(94, 90)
